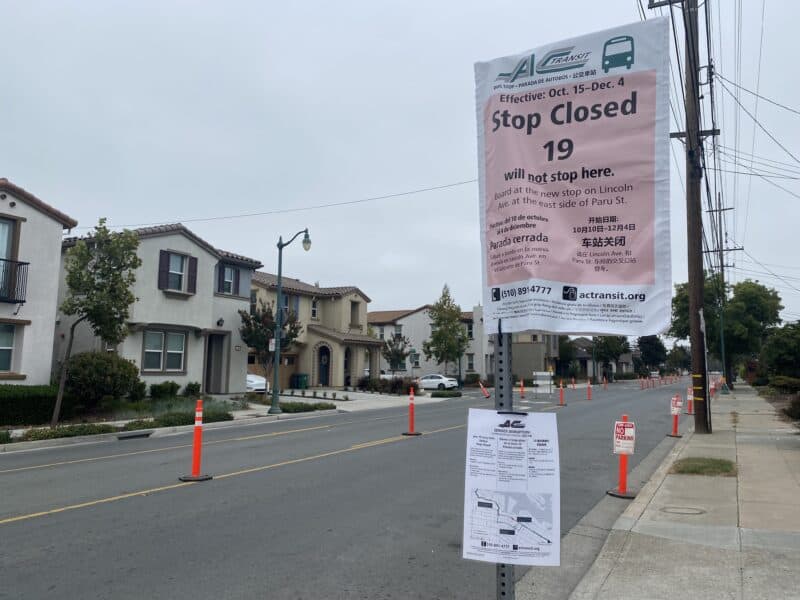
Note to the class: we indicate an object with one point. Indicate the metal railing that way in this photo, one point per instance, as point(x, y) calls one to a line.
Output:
point(13, 281)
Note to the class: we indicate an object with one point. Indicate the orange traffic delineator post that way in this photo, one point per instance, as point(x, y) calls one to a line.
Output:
point(573, 383)
point(484, 391)
point(689, 401)
point(411, 413)
point(675, 414)
point(197, 446)
point(521, 389)
point(622, 484)
point(605, 383)
point(641, 383)
point(561, 393)
point(589, 389)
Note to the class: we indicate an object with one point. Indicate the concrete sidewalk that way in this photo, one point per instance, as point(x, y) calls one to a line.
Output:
point(691, 536)
point(357, 401)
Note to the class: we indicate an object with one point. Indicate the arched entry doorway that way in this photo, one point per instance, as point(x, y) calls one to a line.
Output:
point(324, 365)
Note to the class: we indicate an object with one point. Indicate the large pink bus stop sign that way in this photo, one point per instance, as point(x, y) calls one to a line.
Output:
point(573, 154)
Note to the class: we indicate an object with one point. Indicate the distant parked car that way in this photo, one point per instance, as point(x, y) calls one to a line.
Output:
point(384, 374)
point(256, 384)
point(436, 381)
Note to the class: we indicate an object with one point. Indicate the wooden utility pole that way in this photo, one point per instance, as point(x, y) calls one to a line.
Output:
point(694, 219)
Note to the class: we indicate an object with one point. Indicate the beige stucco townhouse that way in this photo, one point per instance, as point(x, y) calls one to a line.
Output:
point(333, 348)
point(184, 325)
point(30, 250)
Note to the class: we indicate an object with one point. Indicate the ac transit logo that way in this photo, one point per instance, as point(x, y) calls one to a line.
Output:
point(516, 424)
point(569, 292)
point(560, 59)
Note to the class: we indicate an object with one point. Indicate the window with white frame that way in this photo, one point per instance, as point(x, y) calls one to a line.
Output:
point(380, 332)
point(6, 346)
point(415, 360)
point(398, 330)
point(227, 280)
point(153, 350)
point(177, 270)
point(470, 362)
point(469, 330)
point(314, 309)
point(164, 351)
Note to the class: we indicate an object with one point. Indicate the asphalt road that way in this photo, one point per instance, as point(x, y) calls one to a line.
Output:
point(328, 507)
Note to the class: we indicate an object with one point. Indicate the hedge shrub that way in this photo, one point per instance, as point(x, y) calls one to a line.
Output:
point(31, 404)
point(167, 389)
point(445, 394)
point(139, 424)
point(92, 376)
point(66, 431)
point(793, 410)
point(5, 437)
point(786, 385)
point(472, 378)
point(297, 407)
point(192, 389)
point(138, 391)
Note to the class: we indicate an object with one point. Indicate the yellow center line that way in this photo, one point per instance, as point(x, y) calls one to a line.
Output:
point(166, 449)
point(147, 492)
point(94, 502)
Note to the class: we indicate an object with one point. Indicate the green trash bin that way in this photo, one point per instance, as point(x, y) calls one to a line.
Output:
point(302, 381)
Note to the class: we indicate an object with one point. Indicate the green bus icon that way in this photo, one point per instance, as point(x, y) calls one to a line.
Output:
point(618, 52)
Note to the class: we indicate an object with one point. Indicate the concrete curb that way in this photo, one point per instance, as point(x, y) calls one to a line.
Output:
point(592, 582)
point(157, 432)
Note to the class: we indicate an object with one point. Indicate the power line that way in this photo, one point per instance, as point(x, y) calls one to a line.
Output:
point(759, 96)
point(752, 173)
point(753, 138)
point(302, 208)
point(771, 272)
point(757, 122)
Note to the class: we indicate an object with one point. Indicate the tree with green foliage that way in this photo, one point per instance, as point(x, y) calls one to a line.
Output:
point(748, 315)
point(101, 271)
point(608, 349)
point(258, 330)
point(396, 350)
point(448, 340)
point(652, 350)
point(679, 358)
point(780, 354)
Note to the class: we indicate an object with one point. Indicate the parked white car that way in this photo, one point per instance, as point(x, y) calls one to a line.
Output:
point(436, 381)
point(256, 384)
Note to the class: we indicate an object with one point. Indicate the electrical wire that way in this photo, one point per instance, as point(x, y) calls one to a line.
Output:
point(757, 122)
point(761, 97)
point(301, 208)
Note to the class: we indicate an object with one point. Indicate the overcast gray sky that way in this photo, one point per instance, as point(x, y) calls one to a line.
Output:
point(154, 112)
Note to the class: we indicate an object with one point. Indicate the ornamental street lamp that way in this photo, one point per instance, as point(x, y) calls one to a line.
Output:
point(275, 408)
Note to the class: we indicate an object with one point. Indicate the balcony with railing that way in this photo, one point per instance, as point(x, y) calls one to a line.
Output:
point(13, 281)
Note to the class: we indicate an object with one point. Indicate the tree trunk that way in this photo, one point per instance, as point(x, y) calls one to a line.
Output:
point(62, 379)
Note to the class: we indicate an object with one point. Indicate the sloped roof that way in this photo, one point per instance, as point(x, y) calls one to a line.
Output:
point(66, 221)
point(301, 287)
point(379, 317)
point(159, 230)
point(344, 338)
point(382, 317)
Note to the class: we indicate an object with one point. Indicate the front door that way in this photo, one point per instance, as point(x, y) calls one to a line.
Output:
point(214, 380)
point(324, 365)
point(347, 364)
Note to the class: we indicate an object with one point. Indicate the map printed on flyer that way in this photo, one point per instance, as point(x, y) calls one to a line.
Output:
point(512, 503)
point(573, 161)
